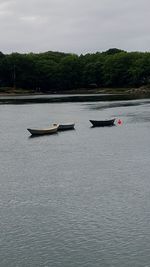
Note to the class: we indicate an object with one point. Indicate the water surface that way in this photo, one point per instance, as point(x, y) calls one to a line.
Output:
point(75, 198)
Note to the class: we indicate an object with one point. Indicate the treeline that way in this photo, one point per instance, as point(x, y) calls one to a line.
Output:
point(55, 71)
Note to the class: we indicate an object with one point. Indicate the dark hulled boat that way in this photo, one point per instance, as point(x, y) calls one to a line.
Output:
point(103, 123)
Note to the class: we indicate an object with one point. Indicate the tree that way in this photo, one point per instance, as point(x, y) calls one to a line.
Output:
point(70, 74)
point(113, 51)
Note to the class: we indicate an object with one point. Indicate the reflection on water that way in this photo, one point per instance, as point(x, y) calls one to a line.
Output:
point(122, 103)
point(61, 98)
point(41, 135)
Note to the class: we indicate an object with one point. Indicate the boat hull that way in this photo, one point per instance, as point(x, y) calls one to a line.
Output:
point(50, 130)
point(66, 126)
point(104, 123)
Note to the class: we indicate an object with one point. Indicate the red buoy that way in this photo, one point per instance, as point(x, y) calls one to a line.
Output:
point(119, 122)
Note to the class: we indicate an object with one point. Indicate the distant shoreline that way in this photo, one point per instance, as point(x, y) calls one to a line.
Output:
point(71, 96)
point(144, 90)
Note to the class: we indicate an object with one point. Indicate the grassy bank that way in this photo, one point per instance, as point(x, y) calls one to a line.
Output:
point(144, 90)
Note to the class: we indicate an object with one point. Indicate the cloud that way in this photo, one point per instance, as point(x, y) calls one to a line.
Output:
point(77, 26)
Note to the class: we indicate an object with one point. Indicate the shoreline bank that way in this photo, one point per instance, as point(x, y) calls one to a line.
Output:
point(144, 90)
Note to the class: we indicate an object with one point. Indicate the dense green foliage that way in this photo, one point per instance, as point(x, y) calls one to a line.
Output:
point(54, 71)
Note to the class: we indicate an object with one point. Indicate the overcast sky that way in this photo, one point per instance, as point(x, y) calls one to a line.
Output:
point(76, 26)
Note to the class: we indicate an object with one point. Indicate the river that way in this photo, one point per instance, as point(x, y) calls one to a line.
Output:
point(79, 198)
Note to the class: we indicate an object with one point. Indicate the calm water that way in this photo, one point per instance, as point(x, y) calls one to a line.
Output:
point(79, 198)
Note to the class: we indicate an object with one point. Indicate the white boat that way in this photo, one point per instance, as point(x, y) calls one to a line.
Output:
point(50, 130)
point(65, 126)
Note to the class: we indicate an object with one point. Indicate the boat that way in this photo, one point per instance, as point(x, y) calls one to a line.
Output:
point(97, 123)
point(65, 126)
point(50, 130)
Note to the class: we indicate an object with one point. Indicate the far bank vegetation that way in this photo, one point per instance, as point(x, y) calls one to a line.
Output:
point(52, 72)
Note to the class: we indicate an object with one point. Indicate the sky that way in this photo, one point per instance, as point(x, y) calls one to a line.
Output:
point(74, 26)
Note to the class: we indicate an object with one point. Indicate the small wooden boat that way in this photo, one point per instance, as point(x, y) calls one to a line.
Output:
point(50, 130)
point(65, 126)
point(102, 123)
